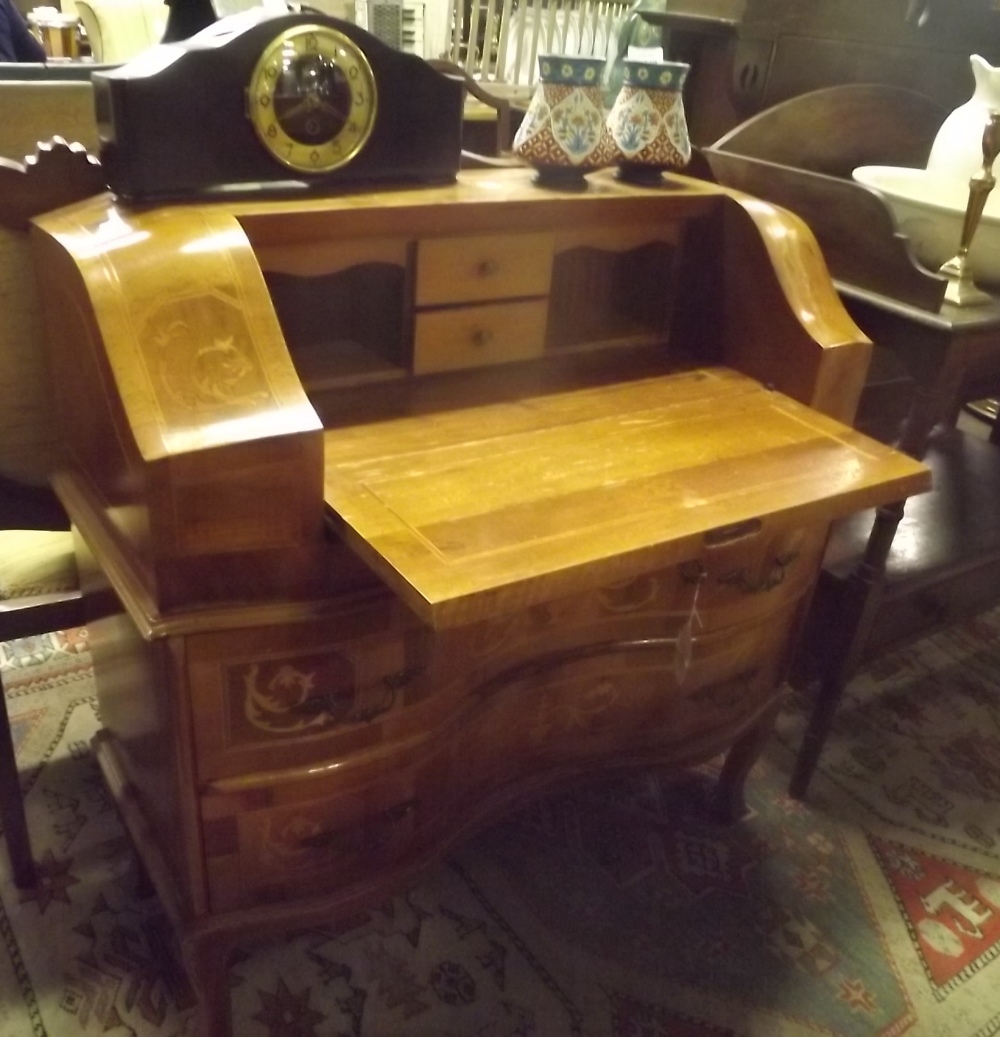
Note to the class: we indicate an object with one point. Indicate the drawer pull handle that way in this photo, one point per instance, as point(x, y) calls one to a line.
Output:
point(371, 834)
point(327, 707)
point(734, 531)
point(488, 268)
point(775, 576)
point(481, 337)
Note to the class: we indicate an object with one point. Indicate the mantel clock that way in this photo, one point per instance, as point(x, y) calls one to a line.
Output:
point(286, 104)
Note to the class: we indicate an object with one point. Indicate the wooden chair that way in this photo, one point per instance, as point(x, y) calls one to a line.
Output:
point(120, 29)
point(498, 41)
point(499, 106)
point(39, 589)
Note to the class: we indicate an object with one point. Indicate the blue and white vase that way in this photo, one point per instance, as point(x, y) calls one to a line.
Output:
point(564, 134)
point(647, 121)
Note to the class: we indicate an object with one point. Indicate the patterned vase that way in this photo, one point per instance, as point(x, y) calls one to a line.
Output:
point(647, 121)
point(564, 134)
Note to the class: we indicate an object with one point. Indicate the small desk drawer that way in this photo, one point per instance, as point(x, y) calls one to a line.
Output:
point(505, 266)
point(472, 336)
point(295, 839)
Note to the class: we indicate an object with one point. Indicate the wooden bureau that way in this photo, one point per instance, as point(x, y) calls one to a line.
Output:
point(395, 509)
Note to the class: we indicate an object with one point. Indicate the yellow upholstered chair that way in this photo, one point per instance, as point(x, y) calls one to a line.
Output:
point(39, 589)
point(118, 30)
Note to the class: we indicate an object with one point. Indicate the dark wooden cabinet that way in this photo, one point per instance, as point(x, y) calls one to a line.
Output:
point(779, 49)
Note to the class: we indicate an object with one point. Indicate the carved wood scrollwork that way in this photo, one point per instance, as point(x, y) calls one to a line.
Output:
point(57, 174)
point(317, 693)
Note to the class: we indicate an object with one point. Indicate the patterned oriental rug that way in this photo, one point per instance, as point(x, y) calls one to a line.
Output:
point(616, 911)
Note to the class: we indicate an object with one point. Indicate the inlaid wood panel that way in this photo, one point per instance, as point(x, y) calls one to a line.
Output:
point(271, 697)
point(279, 837)
point(586, 487)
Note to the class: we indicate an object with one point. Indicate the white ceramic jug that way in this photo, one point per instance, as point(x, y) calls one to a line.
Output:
point(958, 147)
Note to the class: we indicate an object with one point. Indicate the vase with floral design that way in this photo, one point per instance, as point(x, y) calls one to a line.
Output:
point(564, 134)
point(647, 121)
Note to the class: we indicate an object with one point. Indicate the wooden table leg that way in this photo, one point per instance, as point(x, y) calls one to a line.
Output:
point(206, 958)
point(858, 607)
point(729, 801)
point(15, 825)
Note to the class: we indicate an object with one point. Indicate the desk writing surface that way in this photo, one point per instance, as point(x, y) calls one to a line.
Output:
point(493, 507)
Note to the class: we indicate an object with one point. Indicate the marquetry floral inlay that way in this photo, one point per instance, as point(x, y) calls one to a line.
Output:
point(201, 356)
point(306, 694)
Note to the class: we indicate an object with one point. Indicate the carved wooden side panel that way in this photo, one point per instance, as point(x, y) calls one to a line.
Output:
point(210, 399)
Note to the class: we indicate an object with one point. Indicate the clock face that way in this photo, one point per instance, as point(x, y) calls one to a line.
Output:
point(312, 98)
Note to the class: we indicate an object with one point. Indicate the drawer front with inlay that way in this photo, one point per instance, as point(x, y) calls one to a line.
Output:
point(506, 266)
point(746, 571)
point(282, 835)
point(292, 840)
point(472, 336)
point(273, 697)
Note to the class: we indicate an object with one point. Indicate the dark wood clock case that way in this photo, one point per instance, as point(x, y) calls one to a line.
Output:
point(174, 123)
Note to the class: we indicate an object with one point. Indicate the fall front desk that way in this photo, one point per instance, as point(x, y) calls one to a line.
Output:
point(397, 508)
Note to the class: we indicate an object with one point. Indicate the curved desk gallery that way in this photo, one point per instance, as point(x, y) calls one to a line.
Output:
point(398, 508)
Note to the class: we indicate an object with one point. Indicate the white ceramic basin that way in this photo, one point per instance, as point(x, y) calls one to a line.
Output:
point(929, 208)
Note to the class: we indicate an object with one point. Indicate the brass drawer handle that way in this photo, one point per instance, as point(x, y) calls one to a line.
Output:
point(734, 531)
point(695, 572)
point(481, 337)
point(488, 268)
point(774, 577)
point(329, 702)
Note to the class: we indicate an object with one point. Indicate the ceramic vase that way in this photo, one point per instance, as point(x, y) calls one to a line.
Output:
point(564, 134)
point(186, 18)
point(958, 147)
point(647, 121)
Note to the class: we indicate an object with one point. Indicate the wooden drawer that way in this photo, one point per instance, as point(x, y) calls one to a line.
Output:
point(472, 336)
point(723, 587)
point(268, 698)
point(295, 835)
point(619, 702)
point(745, 571)
point(504, 266)
point(291, 840)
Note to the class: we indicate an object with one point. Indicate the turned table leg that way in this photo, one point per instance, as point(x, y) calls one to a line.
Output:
point(729, 802)
point(15, 826)
point(858, 607)
point(207, 957)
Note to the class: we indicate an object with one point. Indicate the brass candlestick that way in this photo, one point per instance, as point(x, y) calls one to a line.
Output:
point(961, 289)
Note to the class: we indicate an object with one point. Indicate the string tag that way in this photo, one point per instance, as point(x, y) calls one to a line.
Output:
point(686, 637)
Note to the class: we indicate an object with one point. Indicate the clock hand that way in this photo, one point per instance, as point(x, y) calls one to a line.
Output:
point(305, 105)
point(326, 106)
